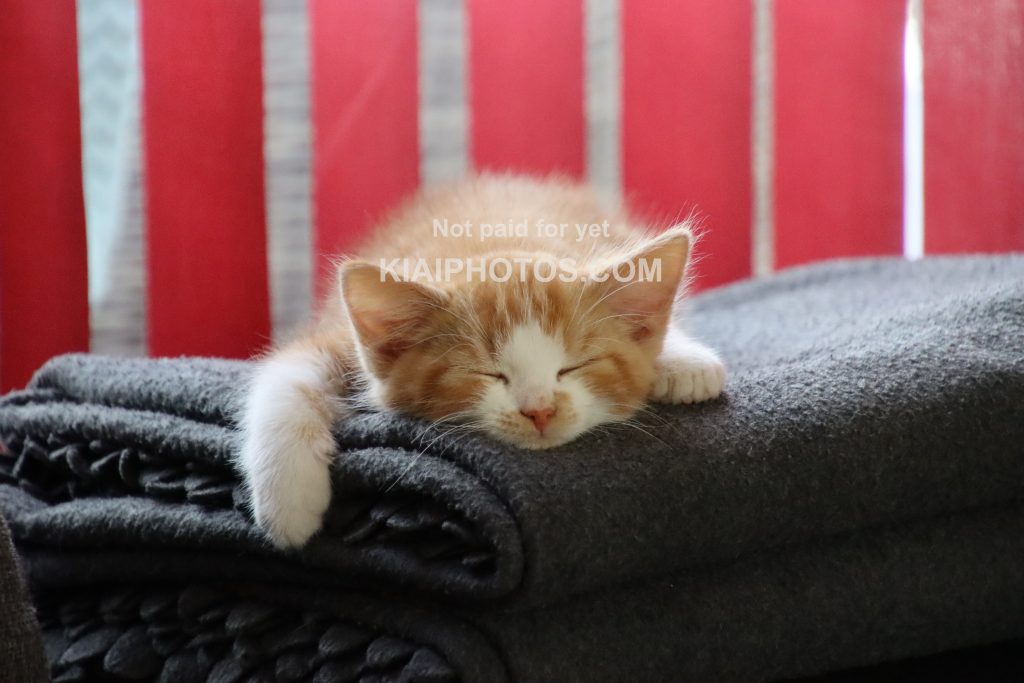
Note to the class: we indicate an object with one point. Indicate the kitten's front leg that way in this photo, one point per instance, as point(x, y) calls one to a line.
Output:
point(287, 444)
point(687, 371)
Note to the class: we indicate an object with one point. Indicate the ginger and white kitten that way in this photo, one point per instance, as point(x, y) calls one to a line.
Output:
point(531, 362)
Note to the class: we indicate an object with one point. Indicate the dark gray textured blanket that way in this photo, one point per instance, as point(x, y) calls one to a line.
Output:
point(21, 655)
point(867, 461)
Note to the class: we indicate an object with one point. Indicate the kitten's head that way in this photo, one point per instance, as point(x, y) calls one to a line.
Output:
point(533, 363)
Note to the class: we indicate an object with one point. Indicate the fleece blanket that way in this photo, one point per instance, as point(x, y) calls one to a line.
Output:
point(21, 655)
point(864, 466)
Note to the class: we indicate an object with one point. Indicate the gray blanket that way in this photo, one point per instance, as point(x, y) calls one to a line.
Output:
point(861, 474)
point(21, 654)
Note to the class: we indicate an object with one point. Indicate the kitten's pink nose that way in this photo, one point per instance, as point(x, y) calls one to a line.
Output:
point(540, 417)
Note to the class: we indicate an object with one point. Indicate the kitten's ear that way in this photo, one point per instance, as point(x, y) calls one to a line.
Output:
point(642, 286)
point(387, 312)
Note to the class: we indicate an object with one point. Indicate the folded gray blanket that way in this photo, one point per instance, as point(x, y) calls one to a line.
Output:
point(864, 598)
point(21, 654)
point(872, 407)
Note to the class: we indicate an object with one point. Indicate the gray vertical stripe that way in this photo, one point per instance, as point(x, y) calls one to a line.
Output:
point(443, 112)
point(287, 157)
point(109, 75)
point(763, 138)
point(913, 133)
point(602, 88)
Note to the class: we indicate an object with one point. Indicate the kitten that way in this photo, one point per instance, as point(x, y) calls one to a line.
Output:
point(531, 360)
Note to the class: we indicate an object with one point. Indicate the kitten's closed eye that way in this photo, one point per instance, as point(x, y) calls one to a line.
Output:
point(579, 366)
point(503, 378)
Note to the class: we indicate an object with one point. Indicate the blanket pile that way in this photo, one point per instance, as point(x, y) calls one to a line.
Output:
point(856, 496)
point(21, 656)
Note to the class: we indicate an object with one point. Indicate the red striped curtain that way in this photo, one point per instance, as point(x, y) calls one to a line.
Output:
point(799, 159)
point(43, 287)
point(203, 130)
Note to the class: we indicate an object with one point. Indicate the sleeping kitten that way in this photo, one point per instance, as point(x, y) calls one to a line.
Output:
point(532, 360)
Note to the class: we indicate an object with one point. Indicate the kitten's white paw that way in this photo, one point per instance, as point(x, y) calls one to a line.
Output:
point(688, 378)
point(289, 503)
point(287, 449)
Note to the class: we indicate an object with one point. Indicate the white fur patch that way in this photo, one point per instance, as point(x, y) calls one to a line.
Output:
point(532, 359)
point(286, 449)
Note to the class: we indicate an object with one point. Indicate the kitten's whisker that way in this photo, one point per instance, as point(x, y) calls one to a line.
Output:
point(437, 336)
point(471, 321)
point(455, 426)
point(445, 419)
point(615, 316)
point(576, 306)
point(609, 294)
point(631, 423)
point(638, 408)
point(420, 453)
point(455, 441)
point(452, 348)
point(661, 420)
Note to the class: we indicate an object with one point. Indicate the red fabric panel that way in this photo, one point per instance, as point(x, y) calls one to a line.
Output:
point(838, 129)
point(686, 123)
point(203, 121)
point(526, 85)
point(365, 117)
point(974, 125)
point(44, 308)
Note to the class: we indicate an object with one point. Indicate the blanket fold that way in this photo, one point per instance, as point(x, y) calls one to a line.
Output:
point(858, 599)
point(873, 407)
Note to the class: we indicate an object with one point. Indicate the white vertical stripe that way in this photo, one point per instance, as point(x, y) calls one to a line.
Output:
point(108, 63)
point(287, 162)
point(443, 111)
point(603, 89)
point(763, 137)
point(913, 134)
